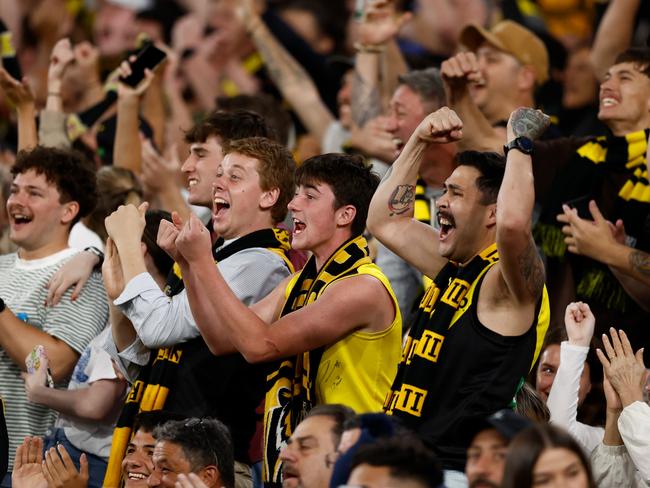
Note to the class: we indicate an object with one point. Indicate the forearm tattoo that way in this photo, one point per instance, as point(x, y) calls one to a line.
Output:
point(640, 262)
point(281, 66)
point(532, 269)
point(401, 200)
point(365, 102)
point(529, 123)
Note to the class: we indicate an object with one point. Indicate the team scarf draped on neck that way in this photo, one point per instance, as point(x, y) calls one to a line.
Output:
point(157, 378)
point(290, 386)
point(596, 165)
point(444, 297)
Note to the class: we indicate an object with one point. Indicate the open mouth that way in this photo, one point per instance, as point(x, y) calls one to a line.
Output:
point(220, 206)
point(447, 225)
point(298, 226)
point(137, 476)
point(192, 182)
point(606, 102)
point(20, 219)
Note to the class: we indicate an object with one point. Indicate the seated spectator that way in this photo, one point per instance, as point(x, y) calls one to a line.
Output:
point(546, 455)
point(395, 461)
point(623, 457)
point(486, 453)
point(197, 445)
point(51, 190)
point(309, 455)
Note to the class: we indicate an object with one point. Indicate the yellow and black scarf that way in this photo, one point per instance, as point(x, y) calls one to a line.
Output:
point(158, 378)
point(290, 386)
point(612, 171)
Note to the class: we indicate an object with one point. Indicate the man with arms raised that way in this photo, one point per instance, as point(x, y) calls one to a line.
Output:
point(476, 334)
point(336, 326)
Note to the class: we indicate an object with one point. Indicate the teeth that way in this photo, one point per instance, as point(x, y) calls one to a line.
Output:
point(137, 476)
point(608, 102)
point(220, 201)
point(444, 221)
point(192, 182)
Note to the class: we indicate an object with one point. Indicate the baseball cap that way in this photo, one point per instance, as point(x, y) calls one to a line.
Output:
point(506, 422)
point(512, 38)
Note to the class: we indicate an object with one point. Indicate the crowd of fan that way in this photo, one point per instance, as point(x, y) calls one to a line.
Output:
point(204, 283)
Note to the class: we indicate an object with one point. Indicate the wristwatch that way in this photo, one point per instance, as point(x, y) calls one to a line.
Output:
point(2, 305)
point(99, 254)
point(521, 143)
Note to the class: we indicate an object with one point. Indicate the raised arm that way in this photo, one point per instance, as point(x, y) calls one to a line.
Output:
point(52, 130)
point(390, 218)
point(20, 95)
point(520, 264)
point(348, 305)
point(289, 76)
point(457, 73)
point(614, 34)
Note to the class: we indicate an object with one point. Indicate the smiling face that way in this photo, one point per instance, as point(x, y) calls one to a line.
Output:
point(239, 203)
point(406, 113)
point(305, 457)
point(559, 467)
point(466, 224)
point(625, 99)
point(137, 464)
point(499, 72)
point(200, 168)
point(168, 462)
point(38, 222)
point(549, 362)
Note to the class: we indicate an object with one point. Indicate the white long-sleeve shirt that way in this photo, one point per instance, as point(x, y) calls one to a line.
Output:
point(634, 427)
point(563, 398)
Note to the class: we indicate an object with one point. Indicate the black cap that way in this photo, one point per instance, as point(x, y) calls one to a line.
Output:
point(506, 422)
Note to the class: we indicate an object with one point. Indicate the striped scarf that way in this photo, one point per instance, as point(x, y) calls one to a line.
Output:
point(156, 380)
point(290, 387)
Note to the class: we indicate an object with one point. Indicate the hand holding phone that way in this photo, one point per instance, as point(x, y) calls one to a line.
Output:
point(36, 360)
point(148, 58)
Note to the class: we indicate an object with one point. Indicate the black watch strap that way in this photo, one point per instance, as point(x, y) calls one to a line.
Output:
point(521, 143)
point(97, 252)
point(3, 305)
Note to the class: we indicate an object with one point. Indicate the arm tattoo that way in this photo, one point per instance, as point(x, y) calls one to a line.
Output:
point(282, 67)
point(640, 262)
point(401, 200)
point(532, 270)
point(366, 101)
point(529, 123)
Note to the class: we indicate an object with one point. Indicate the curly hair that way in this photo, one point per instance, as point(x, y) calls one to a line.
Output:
point(72, 174)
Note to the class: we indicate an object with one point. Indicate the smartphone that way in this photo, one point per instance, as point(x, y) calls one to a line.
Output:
point(8, 53)
point(148, 58)
point(33, 363)
point(581, 204)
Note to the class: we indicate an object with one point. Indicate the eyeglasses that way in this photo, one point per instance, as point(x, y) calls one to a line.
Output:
point(199, 422)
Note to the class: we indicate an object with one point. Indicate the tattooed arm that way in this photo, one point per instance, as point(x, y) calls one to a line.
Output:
point(289, 76)
point(390, 218)
point(520, 264)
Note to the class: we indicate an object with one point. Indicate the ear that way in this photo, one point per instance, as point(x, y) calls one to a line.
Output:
point(345, 215)
point(70, 211)
point(210, 476)
point(491, 218)
point(269, 198)
point(325, 45)
point(526, 78)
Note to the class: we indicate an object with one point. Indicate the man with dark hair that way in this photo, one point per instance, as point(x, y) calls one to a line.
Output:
point(309, 456)
point(402, 461)
point(480, 323)
point(252, 185)
point(197, 445)
point(51, 190)
point(335, 326)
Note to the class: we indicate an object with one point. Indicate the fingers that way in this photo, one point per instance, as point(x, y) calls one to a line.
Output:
point(54, 465)
point(609, 350)
point(142, 208)
point(36, 449)
point(625, 343)
point(19, 457)
point(595, 212)
point(177, 220)
point(616, 342)
point(77, 289)
point(83, 464)
point(603, 360)
point(639, 357)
